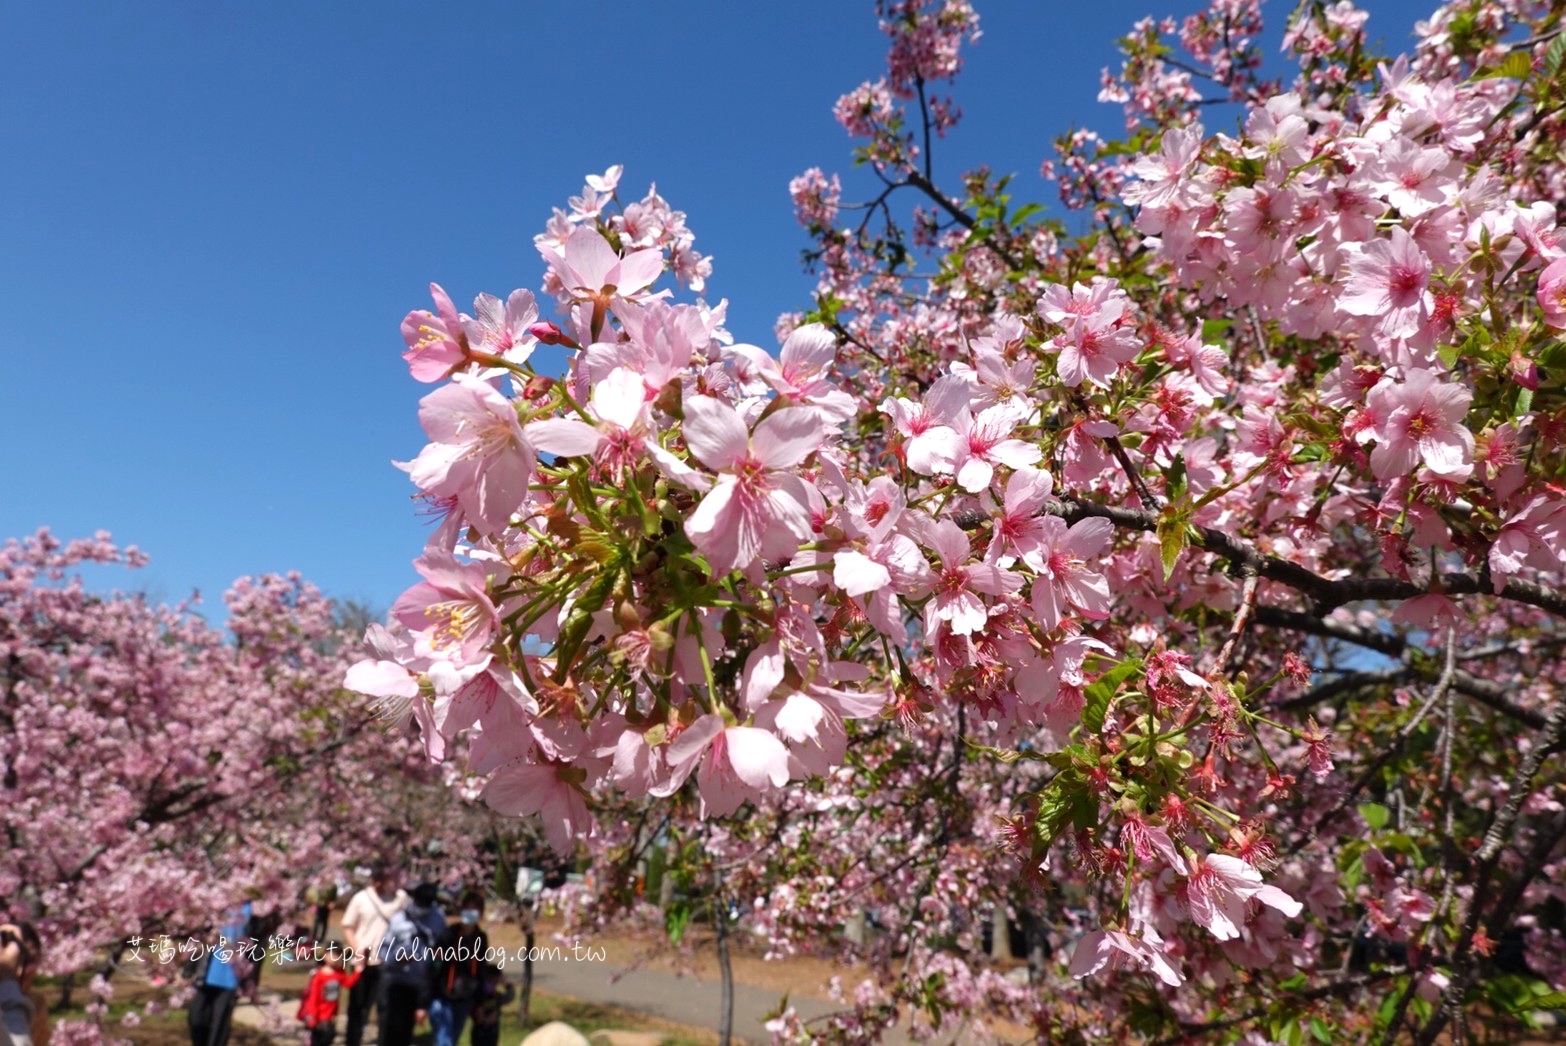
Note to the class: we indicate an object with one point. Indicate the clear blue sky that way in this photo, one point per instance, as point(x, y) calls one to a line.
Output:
point(214, 214)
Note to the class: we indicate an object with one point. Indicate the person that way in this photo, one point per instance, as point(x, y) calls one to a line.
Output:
point(368, 914)
point(459, 954)
point(260, 932)
point(318, 1007)
point(320, 897)
point(494, 991)
point(407, 965)
point(216, 975)
point(21, 951)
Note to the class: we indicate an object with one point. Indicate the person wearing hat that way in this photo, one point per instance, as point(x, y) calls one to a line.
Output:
point(407, 955)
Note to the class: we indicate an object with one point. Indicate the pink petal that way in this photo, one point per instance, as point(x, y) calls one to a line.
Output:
point(856, 573)
point(565, 437)
point(714, 432)
point(787, 437)
point(638, 270)
point(757, 756)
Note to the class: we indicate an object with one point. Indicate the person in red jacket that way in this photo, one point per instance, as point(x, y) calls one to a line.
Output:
point(318, 1008)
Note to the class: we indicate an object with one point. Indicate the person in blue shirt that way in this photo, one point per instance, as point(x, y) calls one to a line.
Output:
point(216, 976)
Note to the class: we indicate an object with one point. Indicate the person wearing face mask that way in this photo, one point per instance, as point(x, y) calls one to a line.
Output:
point(460, 956)
point(364, 924)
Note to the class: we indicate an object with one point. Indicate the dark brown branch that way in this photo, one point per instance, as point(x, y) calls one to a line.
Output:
point(1486, 692)
point(1488, 858)
point(1190, 1031)
point(962, 217)
point(1325, 594)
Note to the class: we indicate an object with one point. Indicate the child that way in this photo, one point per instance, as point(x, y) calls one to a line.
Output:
point(318, 1008)
point(492, 995)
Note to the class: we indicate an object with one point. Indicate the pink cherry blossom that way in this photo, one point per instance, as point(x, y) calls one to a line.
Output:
point(984, 441)
point(521, 789)
point(958, 583)
point(737, 763)
point(1420, 420)
point(755, 508)
point(449, 613)
point(1100, 948)
point(589, 269)
point(1218, 888)
point(1061, 560)
point(503, 329)
point(436, 341)
point(1552, 293)
point(478, 454)
point(1389, 279)
point(799, 374)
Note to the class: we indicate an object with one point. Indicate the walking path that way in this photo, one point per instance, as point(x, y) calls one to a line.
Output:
point(685, 1000)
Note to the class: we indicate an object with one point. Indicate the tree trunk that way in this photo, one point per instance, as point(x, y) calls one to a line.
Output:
point(725, 970)
point(1000, 936)
point(526, 1001)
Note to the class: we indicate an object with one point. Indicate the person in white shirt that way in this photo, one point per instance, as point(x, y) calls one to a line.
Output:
point(364, 924)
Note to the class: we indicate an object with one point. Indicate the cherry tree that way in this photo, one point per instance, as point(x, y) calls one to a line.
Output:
point(155, 770)
point(1189, 584)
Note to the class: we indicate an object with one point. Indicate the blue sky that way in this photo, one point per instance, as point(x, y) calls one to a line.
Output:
point(214, 214)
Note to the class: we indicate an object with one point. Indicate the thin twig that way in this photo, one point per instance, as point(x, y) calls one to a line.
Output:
point(1242, 619)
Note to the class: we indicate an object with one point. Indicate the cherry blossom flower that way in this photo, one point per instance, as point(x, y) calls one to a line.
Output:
point(1218, 888)
point(755, 508)
point(983, 441)
point(504, 329)
point(623, 434)
point(1552, 293)
point(1100, 948)
point(590, 270)
point(928, 426)
point(1060, 560)
point(1093, 349)
point(1535, 536)
point(957, 581)
point(737, 763)
point(449, 613)
point(1389, 278)
point(1420, 420)
point(479, 454)
point(521, 789)
point(799, 372)
point(435, 340)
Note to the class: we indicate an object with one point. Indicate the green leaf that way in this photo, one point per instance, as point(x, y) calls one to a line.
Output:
point(1171, 537)
point(676, 919)
point(1375, 815)
point(1555, 57)
point(1214, 329)
point(1006, 756)
point(1524, 402)
point(1321, 1030)
point(580, 620)
point(1550, 1000)
point(1095, 700)
point(1025, 212)
point(1517, 66)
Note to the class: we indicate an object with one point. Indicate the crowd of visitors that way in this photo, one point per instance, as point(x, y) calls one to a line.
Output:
point(414, 963)
point(401, 960)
